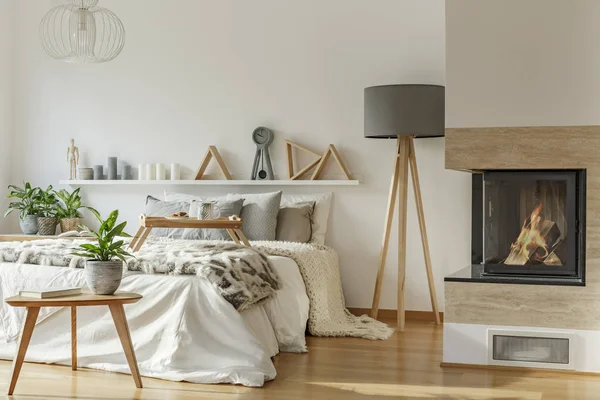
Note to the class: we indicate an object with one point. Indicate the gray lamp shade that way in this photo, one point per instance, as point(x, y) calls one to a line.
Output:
point(404, 110)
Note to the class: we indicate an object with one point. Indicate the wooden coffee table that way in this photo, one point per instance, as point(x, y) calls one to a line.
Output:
point(115, 304)
point(233, 226)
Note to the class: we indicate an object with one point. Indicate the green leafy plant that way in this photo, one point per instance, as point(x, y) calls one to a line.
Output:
point(108, 247)
point(48, 203)
point(70, 204)
point(28, 200)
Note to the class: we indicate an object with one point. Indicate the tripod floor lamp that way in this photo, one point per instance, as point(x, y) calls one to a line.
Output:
point(404, 112)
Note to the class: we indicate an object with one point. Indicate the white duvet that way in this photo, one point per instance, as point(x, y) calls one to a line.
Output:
point(181, 329)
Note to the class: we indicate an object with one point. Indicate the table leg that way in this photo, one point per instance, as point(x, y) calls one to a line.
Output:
point(142, 239)
point(136, 237)
point(243, 237)
point(28, 325)
point(118, 315)
point(74, 338)
point(233, 236)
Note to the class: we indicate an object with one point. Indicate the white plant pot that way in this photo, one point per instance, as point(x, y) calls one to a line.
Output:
point(103, 277)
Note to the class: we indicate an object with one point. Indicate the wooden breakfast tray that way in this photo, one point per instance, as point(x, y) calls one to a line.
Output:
point(233, 226)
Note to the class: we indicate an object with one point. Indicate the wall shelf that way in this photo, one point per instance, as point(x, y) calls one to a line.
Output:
point(210, 182)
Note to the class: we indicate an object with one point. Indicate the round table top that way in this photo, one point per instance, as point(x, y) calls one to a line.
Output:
point(83, 299)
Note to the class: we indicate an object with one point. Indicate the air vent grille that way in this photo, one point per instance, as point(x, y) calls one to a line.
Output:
point(530, 349)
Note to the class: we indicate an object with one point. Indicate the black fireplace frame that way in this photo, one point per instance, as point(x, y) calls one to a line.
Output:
point(574, 273)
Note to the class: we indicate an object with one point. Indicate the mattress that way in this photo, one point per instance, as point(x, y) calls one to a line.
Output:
point(181, 329)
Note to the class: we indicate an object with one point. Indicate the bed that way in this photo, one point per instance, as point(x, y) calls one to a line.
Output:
point(184, 329)
point(181, 329)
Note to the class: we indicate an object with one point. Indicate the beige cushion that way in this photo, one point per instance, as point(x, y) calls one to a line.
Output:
point(294, 222)
point(320, 215)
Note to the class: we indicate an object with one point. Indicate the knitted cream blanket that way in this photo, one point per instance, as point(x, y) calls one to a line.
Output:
point(328, 316)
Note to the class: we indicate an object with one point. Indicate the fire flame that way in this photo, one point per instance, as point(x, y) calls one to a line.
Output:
point(531, 242)
point(531, 237)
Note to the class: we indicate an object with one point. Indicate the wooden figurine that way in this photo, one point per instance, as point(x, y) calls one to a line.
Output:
point(331, 150)
point(213, 152)
point(73, 159)
point(290, 158)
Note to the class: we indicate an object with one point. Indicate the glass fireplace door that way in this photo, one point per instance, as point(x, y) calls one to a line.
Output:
point(530, 222)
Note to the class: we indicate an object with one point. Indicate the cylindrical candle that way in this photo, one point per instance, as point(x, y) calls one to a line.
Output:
point(112, 168)
point(161, 173)
point(175, 172)
point(98, 172)
point(126, 172)
point(141, 172)
point(150, 172)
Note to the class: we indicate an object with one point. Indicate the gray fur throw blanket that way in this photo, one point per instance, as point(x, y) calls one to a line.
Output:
point(241, 275)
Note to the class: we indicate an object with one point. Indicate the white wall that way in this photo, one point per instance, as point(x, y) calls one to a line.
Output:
point(199, 72)
point(514, 62)
point(6, 76)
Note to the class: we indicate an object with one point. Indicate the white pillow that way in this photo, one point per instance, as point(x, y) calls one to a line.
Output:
point(320, 214)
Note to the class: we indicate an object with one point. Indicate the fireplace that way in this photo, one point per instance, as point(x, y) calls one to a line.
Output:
point(530, 225)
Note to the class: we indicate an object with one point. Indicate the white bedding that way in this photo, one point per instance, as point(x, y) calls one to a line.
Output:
point(181, 329)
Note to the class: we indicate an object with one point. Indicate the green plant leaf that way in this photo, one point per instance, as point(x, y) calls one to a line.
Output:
point(116, 231)
point(94, 212)
point(116, 245)
point(112, 219)
point(84, 255)
point(88, 247)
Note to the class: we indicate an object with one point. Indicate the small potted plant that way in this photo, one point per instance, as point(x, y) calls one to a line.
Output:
point(104, 260)
point(28, 205)
point(68, 210)
point(48, 206)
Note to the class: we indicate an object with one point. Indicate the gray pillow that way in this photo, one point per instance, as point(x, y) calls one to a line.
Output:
point(294, 223)
point(159, 208)
point(259, 214)
point(223, 208)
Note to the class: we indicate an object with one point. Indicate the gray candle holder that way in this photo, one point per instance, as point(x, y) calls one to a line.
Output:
point(126, 173)
point(112, 168)
point(98, 172)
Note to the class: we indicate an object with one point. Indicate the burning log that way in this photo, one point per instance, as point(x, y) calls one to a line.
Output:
point(536, 242)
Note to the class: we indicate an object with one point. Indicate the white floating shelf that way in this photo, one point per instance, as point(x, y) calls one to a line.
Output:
point(209, 182)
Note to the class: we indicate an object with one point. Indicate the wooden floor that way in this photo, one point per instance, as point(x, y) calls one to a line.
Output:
point(404, 367)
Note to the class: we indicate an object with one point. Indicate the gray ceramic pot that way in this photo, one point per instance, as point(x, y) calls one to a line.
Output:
point(47, 226)
point(29, 224)
point(103, 277)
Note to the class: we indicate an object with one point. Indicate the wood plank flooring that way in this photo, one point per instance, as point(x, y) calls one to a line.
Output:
point(405, 367)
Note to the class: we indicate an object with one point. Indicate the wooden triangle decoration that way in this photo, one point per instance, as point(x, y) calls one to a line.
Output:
point(331, 150)
point(290, 158)
point(213, 152)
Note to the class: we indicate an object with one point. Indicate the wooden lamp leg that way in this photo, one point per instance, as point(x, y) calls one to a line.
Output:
point(424, 239)
point(405, 160)
point(402, 200)
point(386, 234)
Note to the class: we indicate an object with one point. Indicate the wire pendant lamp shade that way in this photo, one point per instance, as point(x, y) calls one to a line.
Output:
point(81, 32)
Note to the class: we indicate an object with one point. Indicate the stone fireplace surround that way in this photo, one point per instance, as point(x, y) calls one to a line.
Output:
point(473, 308)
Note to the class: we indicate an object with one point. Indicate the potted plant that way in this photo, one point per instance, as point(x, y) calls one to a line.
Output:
point(48, 208)
point(28, 205)
point(68, 210)
point(104, 260)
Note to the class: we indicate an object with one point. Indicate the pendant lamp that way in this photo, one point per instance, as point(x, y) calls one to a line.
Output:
point(81, 32)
